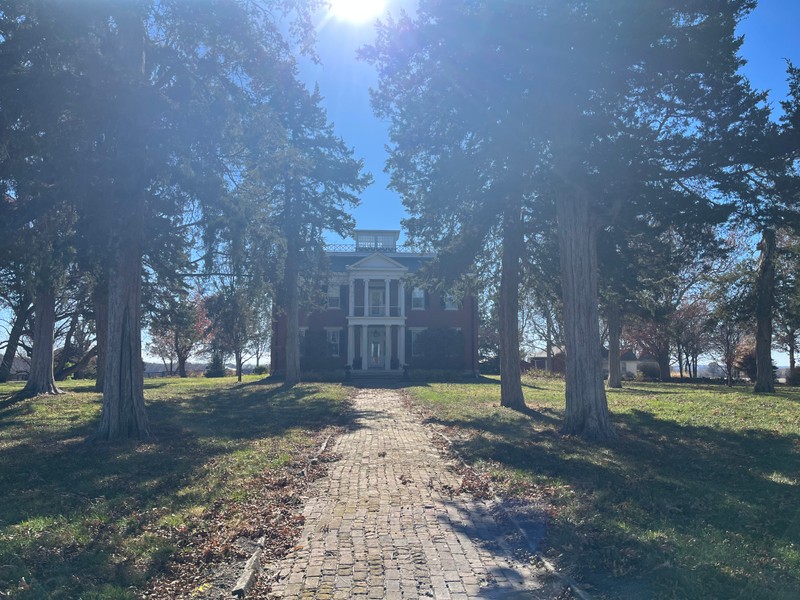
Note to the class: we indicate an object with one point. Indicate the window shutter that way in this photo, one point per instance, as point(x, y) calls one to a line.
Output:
point(343, 342)
point(404, 359)
point(427, 299)
point(344, 298)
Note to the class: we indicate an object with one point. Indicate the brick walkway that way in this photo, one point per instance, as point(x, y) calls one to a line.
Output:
point(384, 524)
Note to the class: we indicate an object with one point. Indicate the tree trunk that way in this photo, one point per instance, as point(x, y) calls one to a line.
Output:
point(292, 315)
point(182, 365)
point(614, 332)
point(510, 377)
point(548, 361)
point(765, 301)
point(67, 349)
point(80, 364)
point(238, 356)
point(664, 369)
point(792, 348)
point(586, 405)
point(679, 352)
point(100, 301)
point(124, 415)
point(21, 316)
point(41, 379)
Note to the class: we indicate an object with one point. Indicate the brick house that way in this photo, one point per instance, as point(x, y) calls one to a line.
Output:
point(374, 317)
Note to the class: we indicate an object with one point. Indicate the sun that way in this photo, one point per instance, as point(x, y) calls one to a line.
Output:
point(357, 12)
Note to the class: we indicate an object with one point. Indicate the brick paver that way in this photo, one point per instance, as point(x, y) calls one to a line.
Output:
point(385, 524)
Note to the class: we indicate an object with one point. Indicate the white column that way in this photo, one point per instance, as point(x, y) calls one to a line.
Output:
point(364, 350)
point(351, 344)
point(352, 297)
point(388, 364)
point(387, 289)
point(401, 344)
point(401, 300)
point(366, 297)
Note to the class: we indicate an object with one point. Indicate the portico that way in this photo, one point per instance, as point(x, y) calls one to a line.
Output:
point(376, 322)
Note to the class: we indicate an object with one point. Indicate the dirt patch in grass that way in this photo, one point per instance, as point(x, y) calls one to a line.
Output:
point(218, 544)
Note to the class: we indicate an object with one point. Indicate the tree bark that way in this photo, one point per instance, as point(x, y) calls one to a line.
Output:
point(238, 357)
point(21, 316)
point(614, 333)
point(664, 369)
point(586, 405)
point(67, 349)
point(292, 314)
point(510, 376)
point(41, 379)
point(100, 301)
point(182, 365)
point(124, 415)
point(765, 301)
point(791, 353)
point(548, 361)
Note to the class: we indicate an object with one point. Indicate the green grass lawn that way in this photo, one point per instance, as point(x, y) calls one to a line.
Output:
point(101, 521)
point(698, 498)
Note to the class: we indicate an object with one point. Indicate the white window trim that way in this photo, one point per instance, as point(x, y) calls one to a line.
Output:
point(337, 296)
point(412, 299)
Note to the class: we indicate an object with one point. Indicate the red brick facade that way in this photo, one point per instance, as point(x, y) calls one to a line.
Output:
point(382, 336)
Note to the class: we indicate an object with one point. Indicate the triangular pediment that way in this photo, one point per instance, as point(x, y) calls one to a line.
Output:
point(376, 262)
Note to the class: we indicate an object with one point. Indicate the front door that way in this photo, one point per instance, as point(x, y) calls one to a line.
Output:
point(377, 348)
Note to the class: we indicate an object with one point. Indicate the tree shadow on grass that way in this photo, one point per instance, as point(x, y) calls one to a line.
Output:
point(678, 509)
point(79, 501)
point(9, 400)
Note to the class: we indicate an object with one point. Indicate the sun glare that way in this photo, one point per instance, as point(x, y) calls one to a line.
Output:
point(357, 11)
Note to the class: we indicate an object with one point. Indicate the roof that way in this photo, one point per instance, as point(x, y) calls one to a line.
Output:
point(339, 261)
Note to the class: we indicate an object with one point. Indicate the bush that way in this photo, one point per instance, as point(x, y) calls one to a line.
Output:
point(260, 370)
point(490, 366)
point(793, 376)
point(316, 354)
point(648, 372)
point(440, 348)
point(747, 363)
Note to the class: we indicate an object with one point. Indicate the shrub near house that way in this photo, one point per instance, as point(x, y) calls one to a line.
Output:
point(439, 348)
point(316, 354)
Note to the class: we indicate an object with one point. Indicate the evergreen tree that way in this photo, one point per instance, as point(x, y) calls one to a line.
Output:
point(495, 105)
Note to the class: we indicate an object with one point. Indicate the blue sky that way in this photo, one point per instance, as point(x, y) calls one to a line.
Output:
point(771, 36)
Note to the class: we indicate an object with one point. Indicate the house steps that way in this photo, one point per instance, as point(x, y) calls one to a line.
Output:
point(357, 374)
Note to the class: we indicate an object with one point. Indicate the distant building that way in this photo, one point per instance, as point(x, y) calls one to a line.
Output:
point(374, 319)
point(629, 363)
